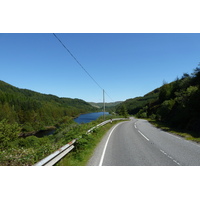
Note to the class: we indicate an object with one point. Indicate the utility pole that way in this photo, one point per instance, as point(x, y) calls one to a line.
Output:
point(103, 104)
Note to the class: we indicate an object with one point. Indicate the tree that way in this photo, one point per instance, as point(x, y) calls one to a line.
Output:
point(164, 110)
point(196, 76)
point(123, 111)
point(165, 92)
point(8, 133)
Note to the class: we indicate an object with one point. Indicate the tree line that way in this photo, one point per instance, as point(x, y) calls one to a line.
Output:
point(33, 111)
point(23, 110)
point(175, 103)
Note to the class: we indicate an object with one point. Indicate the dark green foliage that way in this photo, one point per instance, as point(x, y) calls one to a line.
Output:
point(8, 133)
point(176, 103)
point(27, 151)
point(133, 106)
point(165, 92)
point(23, 111)
point(84, 142)
point(34, 110)
point(122, 111)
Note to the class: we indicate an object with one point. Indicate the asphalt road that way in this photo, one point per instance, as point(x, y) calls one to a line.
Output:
point(138, 143)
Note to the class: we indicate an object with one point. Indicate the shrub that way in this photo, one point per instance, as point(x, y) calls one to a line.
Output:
point(8, 133)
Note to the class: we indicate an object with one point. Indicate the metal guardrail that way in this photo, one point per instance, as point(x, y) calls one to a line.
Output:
point(103, 123)
point(53, 158)
point(57, 155)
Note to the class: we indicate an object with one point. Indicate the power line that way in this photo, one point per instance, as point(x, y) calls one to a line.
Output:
point(109, 96)
point(80, 64)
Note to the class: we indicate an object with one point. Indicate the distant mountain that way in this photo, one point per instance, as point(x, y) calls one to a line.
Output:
point(34, 110)
point(108, 105)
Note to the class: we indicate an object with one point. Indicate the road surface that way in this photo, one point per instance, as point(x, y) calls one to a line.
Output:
point(138, 143)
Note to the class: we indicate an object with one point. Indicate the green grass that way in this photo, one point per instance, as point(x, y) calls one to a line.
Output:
point(85, 147)
point(187, 135)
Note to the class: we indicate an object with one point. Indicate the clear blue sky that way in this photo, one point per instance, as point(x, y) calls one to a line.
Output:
point(125, 65)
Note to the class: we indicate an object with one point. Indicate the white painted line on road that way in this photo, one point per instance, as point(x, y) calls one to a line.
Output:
point(143, 135)
point(162, 151)
point(135, 126)
point(104, 150)
point(169, 157)
point(176, 162)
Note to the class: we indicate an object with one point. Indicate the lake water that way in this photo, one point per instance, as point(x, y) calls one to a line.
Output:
point(86, 118)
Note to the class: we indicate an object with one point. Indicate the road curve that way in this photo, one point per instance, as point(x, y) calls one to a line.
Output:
point(138, 143)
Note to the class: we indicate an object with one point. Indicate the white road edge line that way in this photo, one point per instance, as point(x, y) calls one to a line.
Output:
point(104, 150)
point(176, 162)
point(170, 157)
point(143, 135)
point(162, 151)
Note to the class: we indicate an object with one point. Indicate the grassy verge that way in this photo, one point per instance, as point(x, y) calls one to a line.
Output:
point(187, 135)
point(85, 147)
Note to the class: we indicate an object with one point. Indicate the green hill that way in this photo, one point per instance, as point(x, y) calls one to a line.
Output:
point(107, 105)
point(177, 103)
point(34, 110)
point(134, 105)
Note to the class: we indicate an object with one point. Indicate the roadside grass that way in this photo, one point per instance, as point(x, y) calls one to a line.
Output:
point(85, 147)
point(187, 135)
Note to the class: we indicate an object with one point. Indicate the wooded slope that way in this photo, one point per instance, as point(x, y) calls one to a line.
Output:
point(34, 110)
point(176, 103)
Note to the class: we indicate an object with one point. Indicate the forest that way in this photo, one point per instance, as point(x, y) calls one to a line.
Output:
point(34, 111)
point(177, 104)
point(26, 111)
point(134, 105)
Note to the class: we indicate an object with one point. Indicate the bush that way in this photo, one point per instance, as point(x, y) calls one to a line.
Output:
point(8, 133)
point(27, 127)
point(153, 116)
point(31, 141)
point(165, 109)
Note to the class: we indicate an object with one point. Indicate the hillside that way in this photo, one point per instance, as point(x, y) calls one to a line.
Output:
point(34, 110)
point(175, 103)
point(107, 105)
point(134, 105)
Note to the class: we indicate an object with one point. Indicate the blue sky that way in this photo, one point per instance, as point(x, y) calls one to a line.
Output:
point(125, 65)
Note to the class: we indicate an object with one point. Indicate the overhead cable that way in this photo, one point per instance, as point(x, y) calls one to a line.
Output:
point(79, 64)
